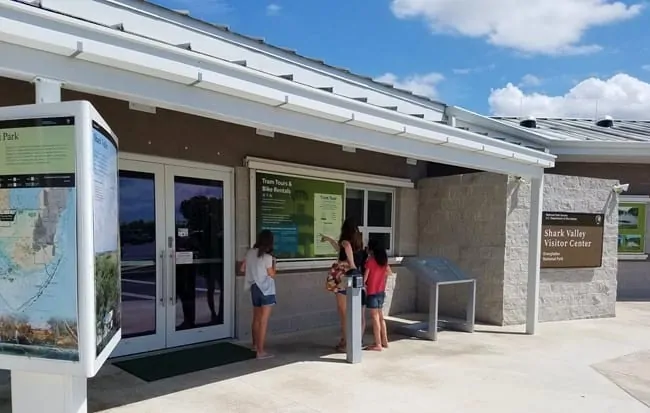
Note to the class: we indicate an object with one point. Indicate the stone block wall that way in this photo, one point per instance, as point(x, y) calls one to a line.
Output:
point(633, 276)
point(304, 303)
point(564, 293)
point(462, 218)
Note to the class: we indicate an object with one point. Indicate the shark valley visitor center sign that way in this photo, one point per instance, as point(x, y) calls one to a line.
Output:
point(572, 240)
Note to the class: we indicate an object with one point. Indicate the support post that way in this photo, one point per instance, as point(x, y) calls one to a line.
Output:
point(353, 314)
point(534, 253)
point(47, 90)
point(434, 293)
point(38, 392)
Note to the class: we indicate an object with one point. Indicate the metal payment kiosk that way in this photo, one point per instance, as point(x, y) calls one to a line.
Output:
point(353, 316)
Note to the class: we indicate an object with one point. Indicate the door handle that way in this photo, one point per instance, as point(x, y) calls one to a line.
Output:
point(160, 281)
point(172, 273)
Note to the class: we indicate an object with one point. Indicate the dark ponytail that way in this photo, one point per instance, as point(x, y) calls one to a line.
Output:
point(380, 255)
point(264, 243)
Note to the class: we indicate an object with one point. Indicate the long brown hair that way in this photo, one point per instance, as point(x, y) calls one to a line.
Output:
point(264, 243)
point(350, 233)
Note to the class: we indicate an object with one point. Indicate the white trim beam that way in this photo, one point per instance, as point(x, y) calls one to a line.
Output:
point(326, 173)
point(145, 56)
point(23, 63)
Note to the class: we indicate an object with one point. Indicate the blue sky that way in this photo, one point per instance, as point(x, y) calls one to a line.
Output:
point(560, 57)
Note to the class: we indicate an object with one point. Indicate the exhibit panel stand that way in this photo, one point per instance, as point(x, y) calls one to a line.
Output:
point(438, 272)
point(51, 393)
point(58, 338)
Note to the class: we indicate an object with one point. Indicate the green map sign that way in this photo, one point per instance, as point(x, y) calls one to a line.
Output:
point(298, 210)
point(631, 227)
point(37, 150)
point(38, 239)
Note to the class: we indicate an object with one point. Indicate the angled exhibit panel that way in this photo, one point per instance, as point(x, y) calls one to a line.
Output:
point(437, 272)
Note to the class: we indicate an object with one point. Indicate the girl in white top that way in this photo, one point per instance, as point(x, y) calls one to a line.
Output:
point(259, 268)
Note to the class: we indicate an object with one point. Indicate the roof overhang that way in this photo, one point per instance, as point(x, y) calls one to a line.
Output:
point(101, 60)
point(497, 126)
point(605, 152)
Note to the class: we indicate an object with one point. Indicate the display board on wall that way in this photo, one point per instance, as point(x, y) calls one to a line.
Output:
point(572, 240)
point(106, 238)
point(298, 210)
point(631, 227)
point(38, 239)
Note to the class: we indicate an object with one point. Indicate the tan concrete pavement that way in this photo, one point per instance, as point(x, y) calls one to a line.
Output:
point(579, 366)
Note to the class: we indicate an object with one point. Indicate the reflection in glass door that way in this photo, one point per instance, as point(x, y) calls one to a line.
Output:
point(195, 238)
point(142, 227)
point(174, 256)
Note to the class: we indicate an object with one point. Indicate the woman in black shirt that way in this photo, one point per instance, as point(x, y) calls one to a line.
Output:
point(351, 253)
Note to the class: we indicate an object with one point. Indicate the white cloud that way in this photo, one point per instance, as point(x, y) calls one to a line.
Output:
point(621, 96)
point(529, 80)
point(273, 9)
point(470, 70)
point(424, 85)
point(203, 8)
point(551, 27)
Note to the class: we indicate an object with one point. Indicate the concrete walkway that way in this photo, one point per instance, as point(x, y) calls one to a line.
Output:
point(579, 366)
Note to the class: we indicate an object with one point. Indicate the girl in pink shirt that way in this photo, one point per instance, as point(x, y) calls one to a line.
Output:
point(376, 273)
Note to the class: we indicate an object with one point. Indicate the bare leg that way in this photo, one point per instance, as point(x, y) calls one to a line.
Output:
point(384, 333)
point(265, 313)
point(255, 325)
point(376, 328)
point(340, 306)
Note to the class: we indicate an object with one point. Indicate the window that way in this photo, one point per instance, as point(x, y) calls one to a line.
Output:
point(632, 225)
point(373, 210)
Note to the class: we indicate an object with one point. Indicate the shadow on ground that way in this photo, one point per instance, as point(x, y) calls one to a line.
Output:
point(630, 373)
point(114, 387)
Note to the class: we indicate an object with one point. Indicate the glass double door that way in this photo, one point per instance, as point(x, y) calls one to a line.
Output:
point(176, 258)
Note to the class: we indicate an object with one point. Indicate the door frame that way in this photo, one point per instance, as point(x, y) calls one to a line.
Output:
point(176, 338)
point(157, 165)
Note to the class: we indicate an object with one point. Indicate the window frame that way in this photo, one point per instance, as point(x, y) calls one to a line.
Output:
point(363, 227)
point(637, 199)
point(351, 179)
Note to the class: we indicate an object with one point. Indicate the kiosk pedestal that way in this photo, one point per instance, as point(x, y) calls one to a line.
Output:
point(353, 316)
point(39, 392)
point(61, 299)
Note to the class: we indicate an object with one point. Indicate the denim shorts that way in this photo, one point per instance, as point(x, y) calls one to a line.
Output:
point(259, 299)
point(363, 296)
point(376, 300)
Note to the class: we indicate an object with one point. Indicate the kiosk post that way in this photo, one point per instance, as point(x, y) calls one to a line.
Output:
point(52, 393)
point(353, 317)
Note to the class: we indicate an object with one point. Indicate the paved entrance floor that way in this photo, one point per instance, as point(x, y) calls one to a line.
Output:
point(579, 366)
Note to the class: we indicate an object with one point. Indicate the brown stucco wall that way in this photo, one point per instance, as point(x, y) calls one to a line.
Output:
point(637, 175)
point(182, 136)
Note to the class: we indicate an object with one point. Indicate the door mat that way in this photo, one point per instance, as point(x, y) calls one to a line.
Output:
point(189, 360)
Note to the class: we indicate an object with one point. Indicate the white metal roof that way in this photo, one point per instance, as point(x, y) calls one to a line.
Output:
point(564, 129)
point(144, 18)
point(571, 139)
point(88, 45)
